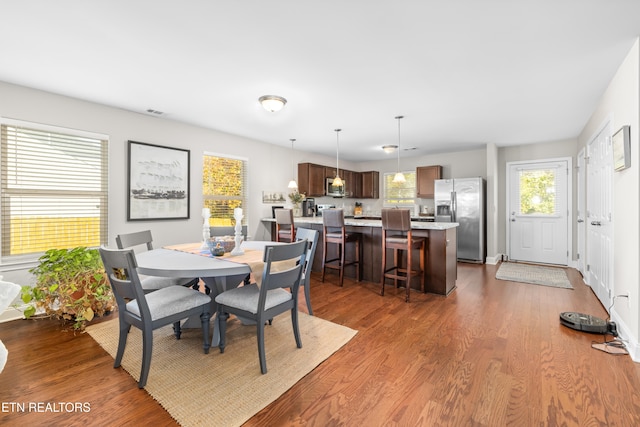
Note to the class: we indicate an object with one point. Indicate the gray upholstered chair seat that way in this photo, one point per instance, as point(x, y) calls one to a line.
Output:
point(246, 298)
point(169, 301)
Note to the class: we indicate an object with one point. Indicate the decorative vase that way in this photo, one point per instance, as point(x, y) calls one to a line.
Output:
point(297, 210)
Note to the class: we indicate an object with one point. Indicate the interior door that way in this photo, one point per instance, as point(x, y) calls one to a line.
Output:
point(581, 212)
point(599, 225)
point(538, 211)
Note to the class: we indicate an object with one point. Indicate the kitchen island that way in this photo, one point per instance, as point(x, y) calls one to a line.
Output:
point(441, 258)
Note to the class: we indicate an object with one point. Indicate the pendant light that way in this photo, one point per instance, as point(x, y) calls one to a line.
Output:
point(399, 176)
point(292, 183)
point(337, 181)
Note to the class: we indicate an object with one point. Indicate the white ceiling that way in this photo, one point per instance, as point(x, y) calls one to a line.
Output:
point(463, 72)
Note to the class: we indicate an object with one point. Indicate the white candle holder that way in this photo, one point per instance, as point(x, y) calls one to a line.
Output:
point(237, 214)
point(206, 232)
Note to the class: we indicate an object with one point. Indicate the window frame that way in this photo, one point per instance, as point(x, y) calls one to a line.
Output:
point(385, 196)
point(8, 259)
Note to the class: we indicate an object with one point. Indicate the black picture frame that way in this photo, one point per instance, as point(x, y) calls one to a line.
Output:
point(158, 182)
point(621, 148)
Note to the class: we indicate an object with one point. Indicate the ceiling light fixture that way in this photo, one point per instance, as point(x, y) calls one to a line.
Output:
point(399, 176)
point(389, 148)
point(272, 103)
point(337, 181)
point(292, 183)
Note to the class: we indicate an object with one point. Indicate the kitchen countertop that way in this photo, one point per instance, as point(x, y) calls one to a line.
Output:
point(416, 225)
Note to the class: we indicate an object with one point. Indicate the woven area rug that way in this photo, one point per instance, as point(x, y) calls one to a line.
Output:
point(535, 274)
point(227, 389)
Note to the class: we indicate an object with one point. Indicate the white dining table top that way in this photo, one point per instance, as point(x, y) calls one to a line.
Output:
point(171, 263)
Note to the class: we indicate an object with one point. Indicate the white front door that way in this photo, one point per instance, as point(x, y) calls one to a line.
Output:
point(599, 225)
point(538, 215)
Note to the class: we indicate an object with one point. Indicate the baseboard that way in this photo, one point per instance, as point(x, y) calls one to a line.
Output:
point(9, 314)
point(494, 259)
point(631, 343)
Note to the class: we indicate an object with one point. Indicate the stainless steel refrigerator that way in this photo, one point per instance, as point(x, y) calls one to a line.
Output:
point(463, 201)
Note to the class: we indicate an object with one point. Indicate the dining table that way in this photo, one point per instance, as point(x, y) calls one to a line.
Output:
point(218, 273)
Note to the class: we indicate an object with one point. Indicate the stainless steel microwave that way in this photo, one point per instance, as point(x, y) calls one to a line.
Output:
point(335, 191)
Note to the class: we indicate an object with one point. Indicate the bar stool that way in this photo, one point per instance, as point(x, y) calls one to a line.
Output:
point(396, 235)
point(285, 231)
point(335, 232)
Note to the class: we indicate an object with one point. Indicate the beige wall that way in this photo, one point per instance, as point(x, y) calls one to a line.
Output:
point(621, 104)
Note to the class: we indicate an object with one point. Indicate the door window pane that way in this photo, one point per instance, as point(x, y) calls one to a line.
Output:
point(538, 192)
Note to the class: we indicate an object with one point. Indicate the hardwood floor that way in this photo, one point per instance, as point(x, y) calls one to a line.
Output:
point(492, 353)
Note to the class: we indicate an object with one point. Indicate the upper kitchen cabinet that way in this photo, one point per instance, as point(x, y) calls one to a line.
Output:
point(311, 179)
point(425, 177)
point(349, 179)
point(370, 185)
point(330, 172)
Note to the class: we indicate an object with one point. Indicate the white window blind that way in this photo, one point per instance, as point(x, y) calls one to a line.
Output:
point(401, 194)
point(54, 190)
point(224, 187)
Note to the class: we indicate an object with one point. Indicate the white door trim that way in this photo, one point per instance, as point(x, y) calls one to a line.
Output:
point(569, 161)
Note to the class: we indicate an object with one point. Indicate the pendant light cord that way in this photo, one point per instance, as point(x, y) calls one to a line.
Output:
point(398, 118)
point(337, 152)
point(293, 173)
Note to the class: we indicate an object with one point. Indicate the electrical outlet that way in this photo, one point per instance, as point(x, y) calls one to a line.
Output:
point(624, 296)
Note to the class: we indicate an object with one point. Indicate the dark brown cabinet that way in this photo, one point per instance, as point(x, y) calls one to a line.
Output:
point(357, 185)
point(370, 185)
point(425, 177)
point(349, 182)
point(311, 179)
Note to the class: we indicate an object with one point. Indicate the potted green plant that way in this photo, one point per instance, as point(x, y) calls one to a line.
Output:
point(296, 198)
point(71, 284)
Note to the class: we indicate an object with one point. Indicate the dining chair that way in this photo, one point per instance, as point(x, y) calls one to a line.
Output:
point(397, 235)
point(277, 293)
point(150, 311)
point(336, 233)
point(312, 238)
point(285, 229)
point(151, 283)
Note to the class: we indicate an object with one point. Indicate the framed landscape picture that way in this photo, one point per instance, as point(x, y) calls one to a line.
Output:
point(158, 182)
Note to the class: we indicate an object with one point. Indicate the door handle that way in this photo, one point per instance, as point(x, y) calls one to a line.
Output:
point(598, 223)
point(580, 220)
point(513, 220)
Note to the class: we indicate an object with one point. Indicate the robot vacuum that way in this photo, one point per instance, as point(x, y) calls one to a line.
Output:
point(586, 323)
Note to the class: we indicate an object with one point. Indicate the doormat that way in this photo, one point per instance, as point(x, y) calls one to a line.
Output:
point(535, 274)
